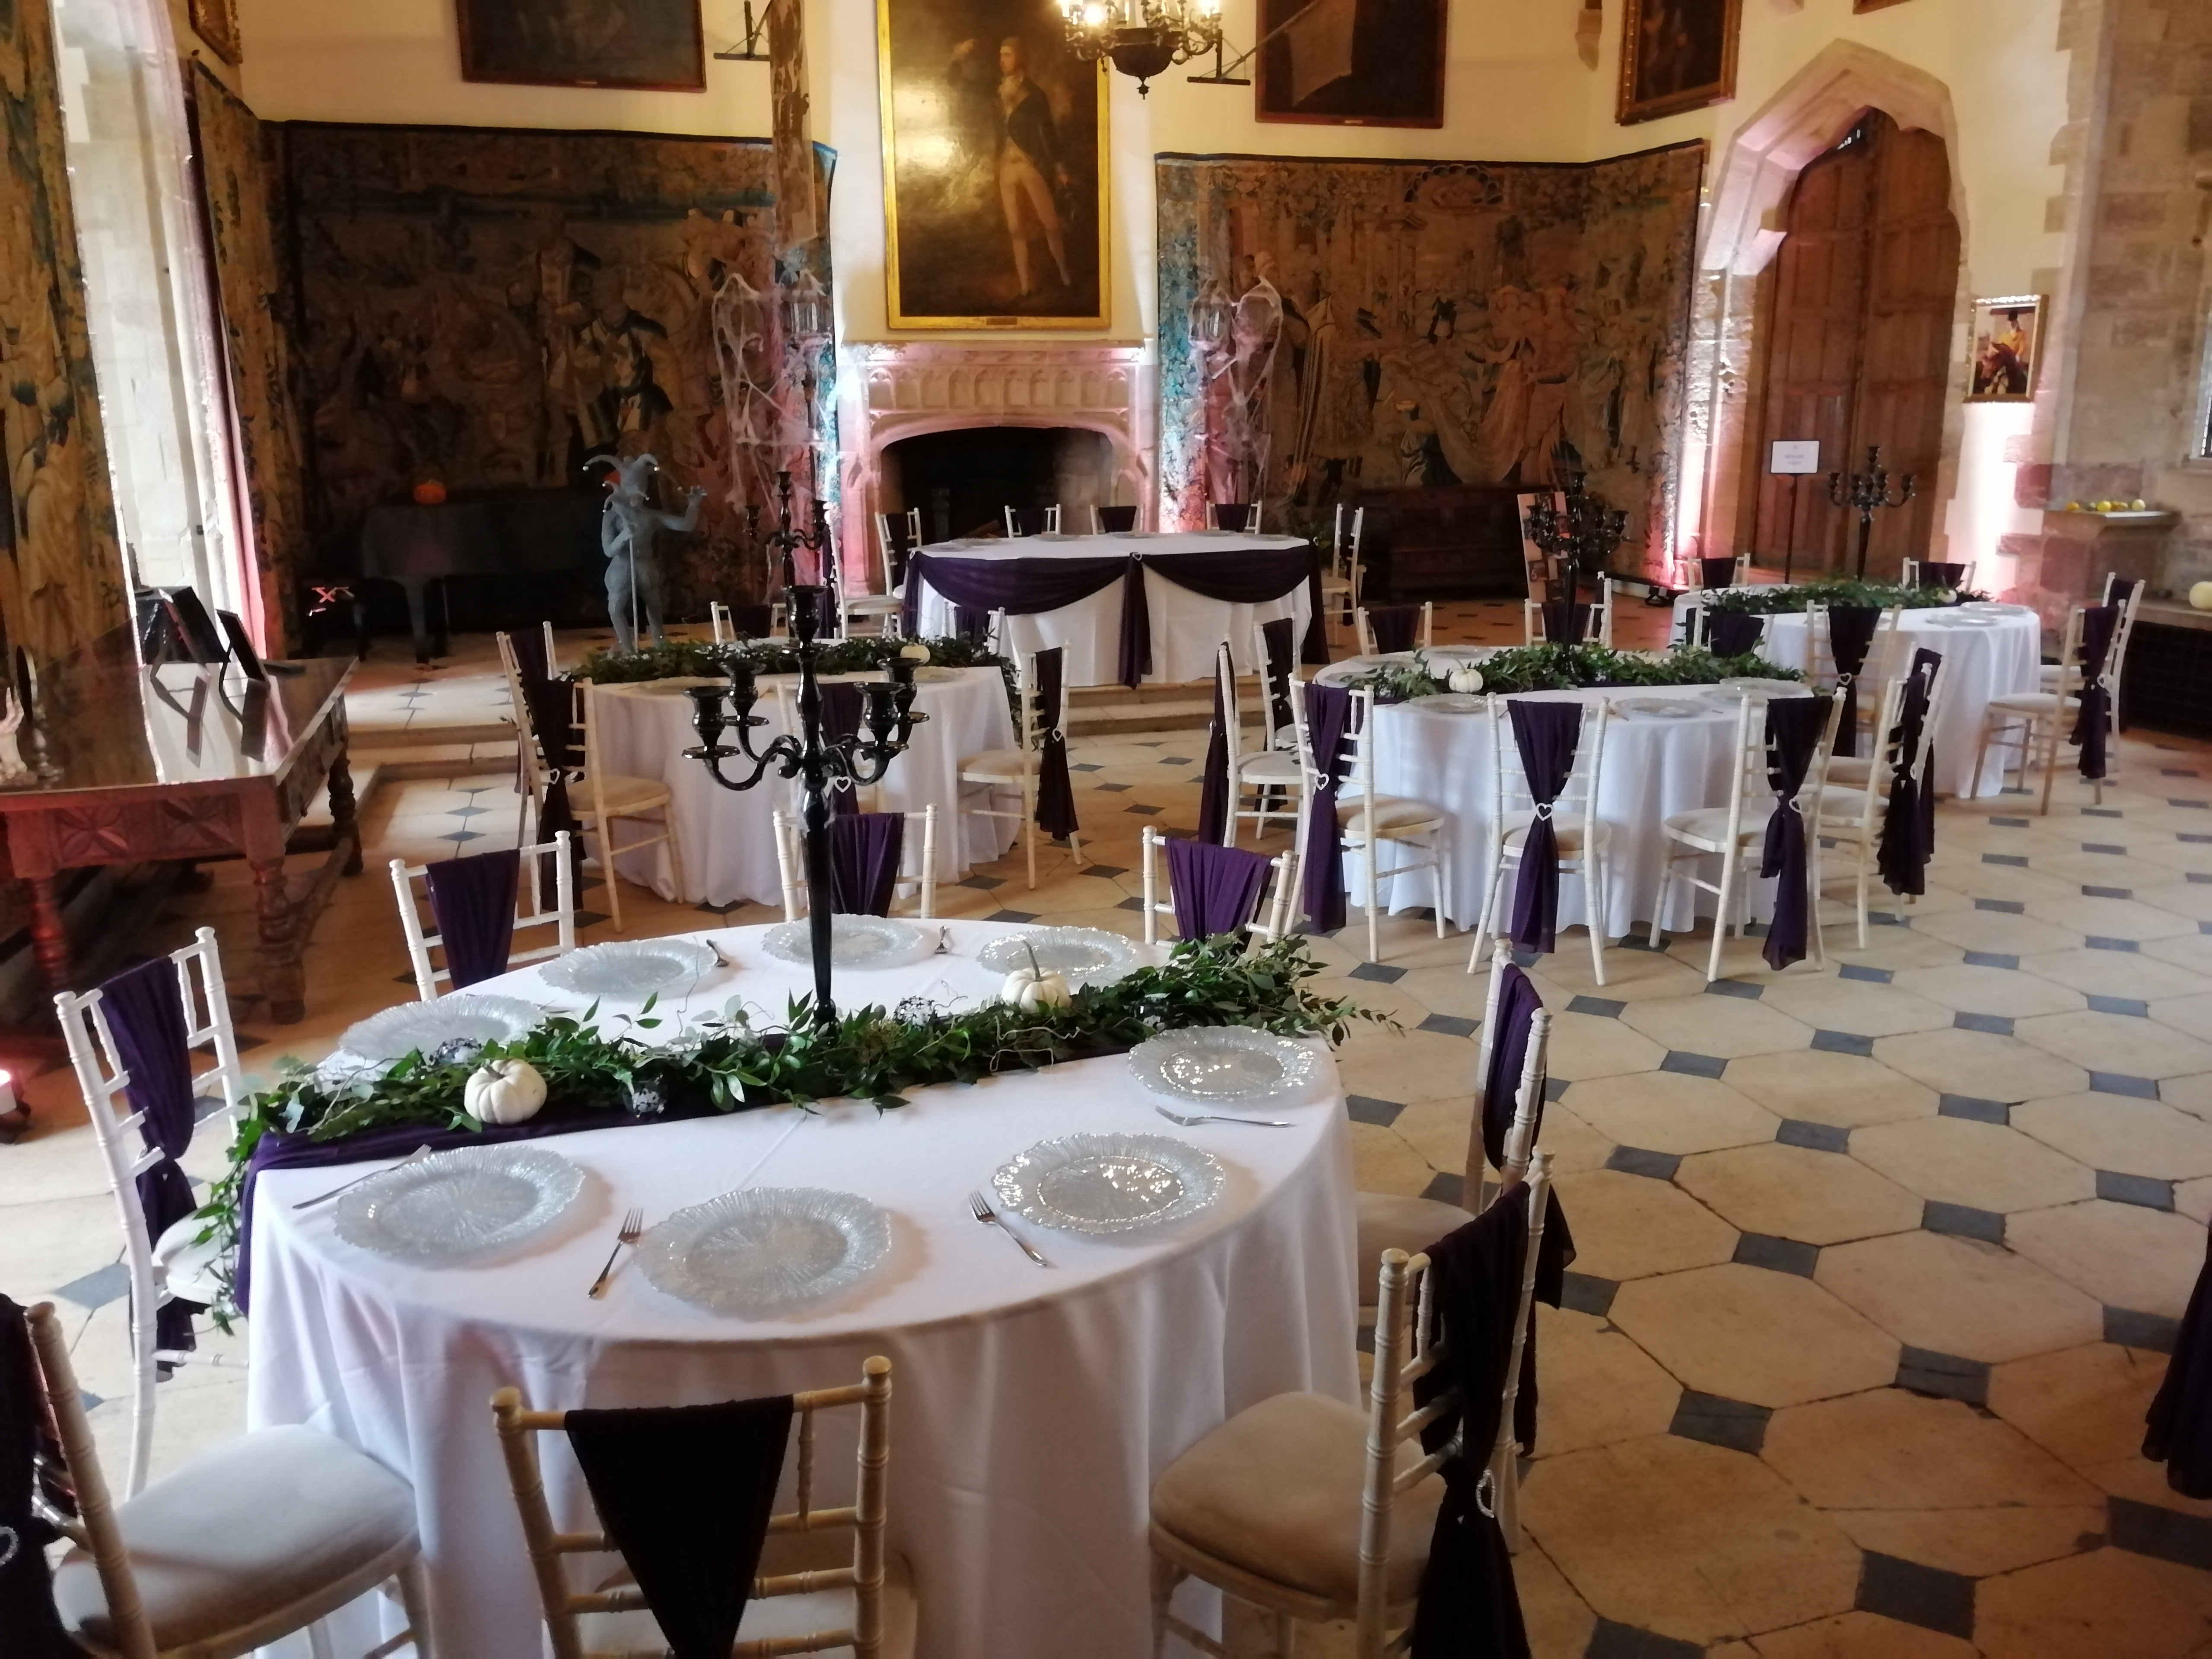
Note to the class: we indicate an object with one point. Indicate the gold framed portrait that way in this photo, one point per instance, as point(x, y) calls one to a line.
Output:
point(1676, 55)
point(995, 168)
point(2008, 342)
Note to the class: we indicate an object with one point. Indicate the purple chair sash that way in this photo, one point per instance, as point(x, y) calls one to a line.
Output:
point(1716, 573)
point(1794, 725)
point(843, 706)
point(531, 667)
point(2177, 1429)
point(1546, 733)
point(864, 861)
point(1394, 627)
point(1561, 628)
point(685, 1492)
point(1932, 574)
point(1117, 520)
point(472, 900)
point(753, 621)
point(552, 708)
point(1231, 515)
point(1026, 521)
point(27, 1587)
point(1908, 824)
point(2093, 727)
point(1055, 802)
point(1328, 717)
point(1733, 633)
point(1519, 1000)
point(1276, 643)
point(1851, 634)
point(1213, 783)
point(145, 1012)
point(1216, 889)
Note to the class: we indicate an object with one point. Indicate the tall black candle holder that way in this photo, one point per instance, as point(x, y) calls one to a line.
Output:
point(1865, 492)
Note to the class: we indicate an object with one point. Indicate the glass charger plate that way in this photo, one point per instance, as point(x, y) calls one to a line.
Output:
point(629, 968)
point(1451, 703)
point(766, 1247)
point(926, 675)
point(1738, 685)
point(426, 1027)
point(676, 687)
point(459, 1205)
point(854, 941)
point(1665, 708)
point(1220, 1064)
point(1109, 1183)
point(1081, 956)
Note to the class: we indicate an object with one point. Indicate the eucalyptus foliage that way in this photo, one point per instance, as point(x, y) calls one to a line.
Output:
point(702, 659)
point(1571, 668)
point(1845, 590)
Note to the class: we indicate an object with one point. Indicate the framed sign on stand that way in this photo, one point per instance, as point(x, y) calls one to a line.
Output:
point(1792, 459)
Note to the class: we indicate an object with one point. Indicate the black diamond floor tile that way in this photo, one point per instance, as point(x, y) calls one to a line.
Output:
point(1963, 1221)
point(1174, 760)
point(981, 883)
point(1602, 1007)
point(1136, 904)
point(1990, 959)
point(719, 910)
point(97, 1288)
point(2202, 878)
point(1637, 1160)
point(1085, 766)
point(1736, 987)
point(2200, 806)
point(1612, 1641)
point(2008, 823)
point(2189, 835)
point(1859, 970)
point(468, 811)
point(2013, 859)
point(1781, 1255)
point(1719, 1421)
point(2119, 1083)
point(2141, 1190)
point(1555, 1088)
point(1143, 810)
point(2003, 907)
point(460, 836)
point(2098, 942)
point(1588, 1294)
point(1818, 1136)
point(1381, 972)
point(1445, 1188)
point(1105, 871)
point(1923, 1370)
point(2107, 892)
point(1366, 1108)
point(1115, 788)
point(2152, 1333)
point(2129, 1005)
point(2102, 846)
point(1690, 1064)
point(1450, 1025)
point(1915, 1595)
point(1011, 916)
point(2167, 1535)
point(1972, 1108)
point(1844, 1043)
point(1995, 1025)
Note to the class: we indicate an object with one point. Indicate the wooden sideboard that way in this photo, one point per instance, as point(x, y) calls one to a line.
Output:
point(1453, 541)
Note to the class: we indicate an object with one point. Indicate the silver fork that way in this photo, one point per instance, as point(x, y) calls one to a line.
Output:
point(989, 1217)
point(1216, 1117)
point(346, 1187)
point(944, 943)
point(633, 1225)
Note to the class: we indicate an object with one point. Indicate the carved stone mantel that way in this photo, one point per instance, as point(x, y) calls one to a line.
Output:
point(900, 389)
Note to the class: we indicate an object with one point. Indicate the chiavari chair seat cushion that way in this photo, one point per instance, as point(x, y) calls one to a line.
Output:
point(2031, 704)
point(776, 1616)
point(1275, 1492)
point(621, 796)
point(998, 766)
point(1271, 766)
point(1395, 1221)
point(1850, 807)
point(1708, 826)
point(1394, 815)
point(260, 1536)
point(874, 605)
point(1568, 831)
point(1850, 771)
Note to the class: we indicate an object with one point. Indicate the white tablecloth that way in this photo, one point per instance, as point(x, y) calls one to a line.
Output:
point(1186, 627)
point(1650, 768)
point(729, 842)
point(1032, 1411)
point(1981, 662)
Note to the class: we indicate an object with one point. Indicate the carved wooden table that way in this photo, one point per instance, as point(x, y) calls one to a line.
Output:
point(185, 761)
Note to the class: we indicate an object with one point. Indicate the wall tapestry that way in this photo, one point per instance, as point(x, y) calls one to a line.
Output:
point(1354, 63)
point(491, 308)
point(240, 196)
point(1367, 324)
point(995, 163)
point(1676, 55)
point(653, 44)
point(61, 570)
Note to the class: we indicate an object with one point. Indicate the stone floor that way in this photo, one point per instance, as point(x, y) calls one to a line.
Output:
point(1878, 1261)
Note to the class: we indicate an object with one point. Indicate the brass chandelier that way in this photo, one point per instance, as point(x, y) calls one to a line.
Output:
point(1142, 37)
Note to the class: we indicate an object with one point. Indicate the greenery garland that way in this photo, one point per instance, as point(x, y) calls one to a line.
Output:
point(1768, 601)
point(1570, 668)
point(704, 659)
point(728, 1063)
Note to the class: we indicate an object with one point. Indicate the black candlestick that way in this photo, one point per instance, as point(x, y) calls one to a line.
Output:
point(1865, 491)
point(823, 765)
point(1584, 530)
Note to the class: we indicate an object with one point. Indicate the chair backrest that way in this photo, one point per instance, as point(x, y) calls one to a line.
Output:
point(1271, 913)
point(1113, 521)
point(1033, 520)
point(791, 863)
point(897, 535)
point(1881, 654)
point(525, 743)
point(1536, 564)
point(1528, 1089)
point(1423, 630)
point(1240, 516)
point(1276, 671)
point(1596, 619)
point(1724, 572)
point(1344, 544)
point(866, 1517)
point(2116, 659)
point(530, 910)
point(717, 619)
point(1576, 804)
point(2070, 653)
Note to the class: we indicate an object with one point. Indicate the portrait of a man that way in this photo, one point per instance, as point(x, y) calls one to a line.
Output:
point(1676, 55)
point(994, 148)
point(2005, 342)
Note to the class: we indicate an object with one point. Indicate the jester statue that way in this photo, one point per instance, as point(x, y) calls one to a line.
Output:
point(627, 524)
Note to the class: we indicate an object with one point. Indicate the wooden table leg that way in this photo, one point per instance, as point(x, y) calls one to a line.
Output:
point(283, 981)
point(345, 818)
point(48, 936)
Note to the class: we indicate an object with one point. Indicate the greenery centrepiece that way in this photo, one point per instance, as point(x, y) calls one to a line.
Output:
point(1569, 668)
point(1835, 590)
point(703, 659)
point(729, 1064)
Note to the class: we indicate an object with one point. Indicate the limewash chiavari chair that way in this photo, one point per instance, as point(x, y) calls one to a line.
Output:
point(1343, 583)
point(791, 865)
point(1112, 520)
point(1282, 885)
point(1031, 520)
point(1596, 618)
point(1585, 840)
point(1423, 636)
point(601, 798)
point(174, 1266)
point(2035, 723)
point(1242, 517)
point(1852, 814)
point(1880, 665)
point(986, 777)
point(803, 1601)
point(560, 917)
point(1267, 771)
point(265, 1535)
point(1368, 822)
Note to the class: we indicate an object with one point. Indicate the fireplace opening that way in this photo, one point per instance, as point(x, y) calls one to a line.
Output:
point(962, 480)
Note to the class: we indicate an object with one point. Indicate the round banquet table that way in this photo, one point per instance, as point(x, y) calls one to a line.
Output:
point(1982, 660)
point(1650, 769)
point(729, 840)
point(1186, 627)
point(1032, 1409)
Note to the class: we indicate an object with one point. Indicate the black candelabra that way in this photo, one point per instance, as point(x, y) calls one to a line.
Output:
point(1583, 530)
point(824, 765)
point(1863, 492)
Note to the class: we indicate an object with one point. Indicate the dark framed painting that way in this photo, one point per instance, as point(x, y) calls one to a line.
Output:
point(995, 167)
point(1352, 63)
point(1676, 55)
point(652, 44)
point(216, 22)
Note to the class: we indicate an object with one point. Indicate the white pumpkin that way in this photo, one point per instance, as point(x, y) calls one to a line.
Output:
point(916, 652)
point(1033, 991)
point(2200, 595)
point(1465, 679)
point(504, 1091)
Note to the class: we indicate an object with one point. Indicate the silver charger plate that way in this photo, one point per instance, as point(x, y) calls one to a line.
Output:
point(1109, 1183)
point(424, 1027)
point(677, 686)
point(1664, 708)
point(630, 968)
point(459, 1205)
point(1081, 956)
point(854, 941)
point(762, 1248)
point(928, 675)
point(1451, 703)
point(1221, 1064)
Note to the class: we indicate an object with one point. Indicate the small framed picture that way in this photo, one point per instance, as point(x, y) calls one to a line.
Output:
point(1352, 62)
point(216, 22)
point(1676, 55)
point(2008, 339)
point(1873, 5)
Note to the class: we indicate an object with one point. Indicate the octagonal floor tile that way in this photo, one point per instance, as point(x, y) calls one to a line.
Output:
point(1672, 1112)
point(1599, 1387)
point(1821, 1086)
point(2184, 898)
point(2122, 1255)
point(2098, 1606)
point(1629, 1226)
point(2085, 1406)
point(1727, 1027)
point(1980, 1064)
point(1984, 1166)
point(1998, 931)
point(1410, 1065)
point(1746, 1333)
point(1859, 1006)
point(2193, 1095)
point(2190, 952)
point(1437, 1130)
point(1976, 1542)
point(1573, 1143)
point(1791, 1192)
point(1445, 990)
point(1860, 1636)
point(2005, 992)
point(1585, 1046)
point(1381, 1161)
point(1558, 1621)
point(2117, 1042)
point(1629, 976)
point(1687, 1540)
point(1889, 1450)
point(2121, 1132)
point(1959, 1295)
point(2192, 1015)
point(2146, 974)
point(2109, 918)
